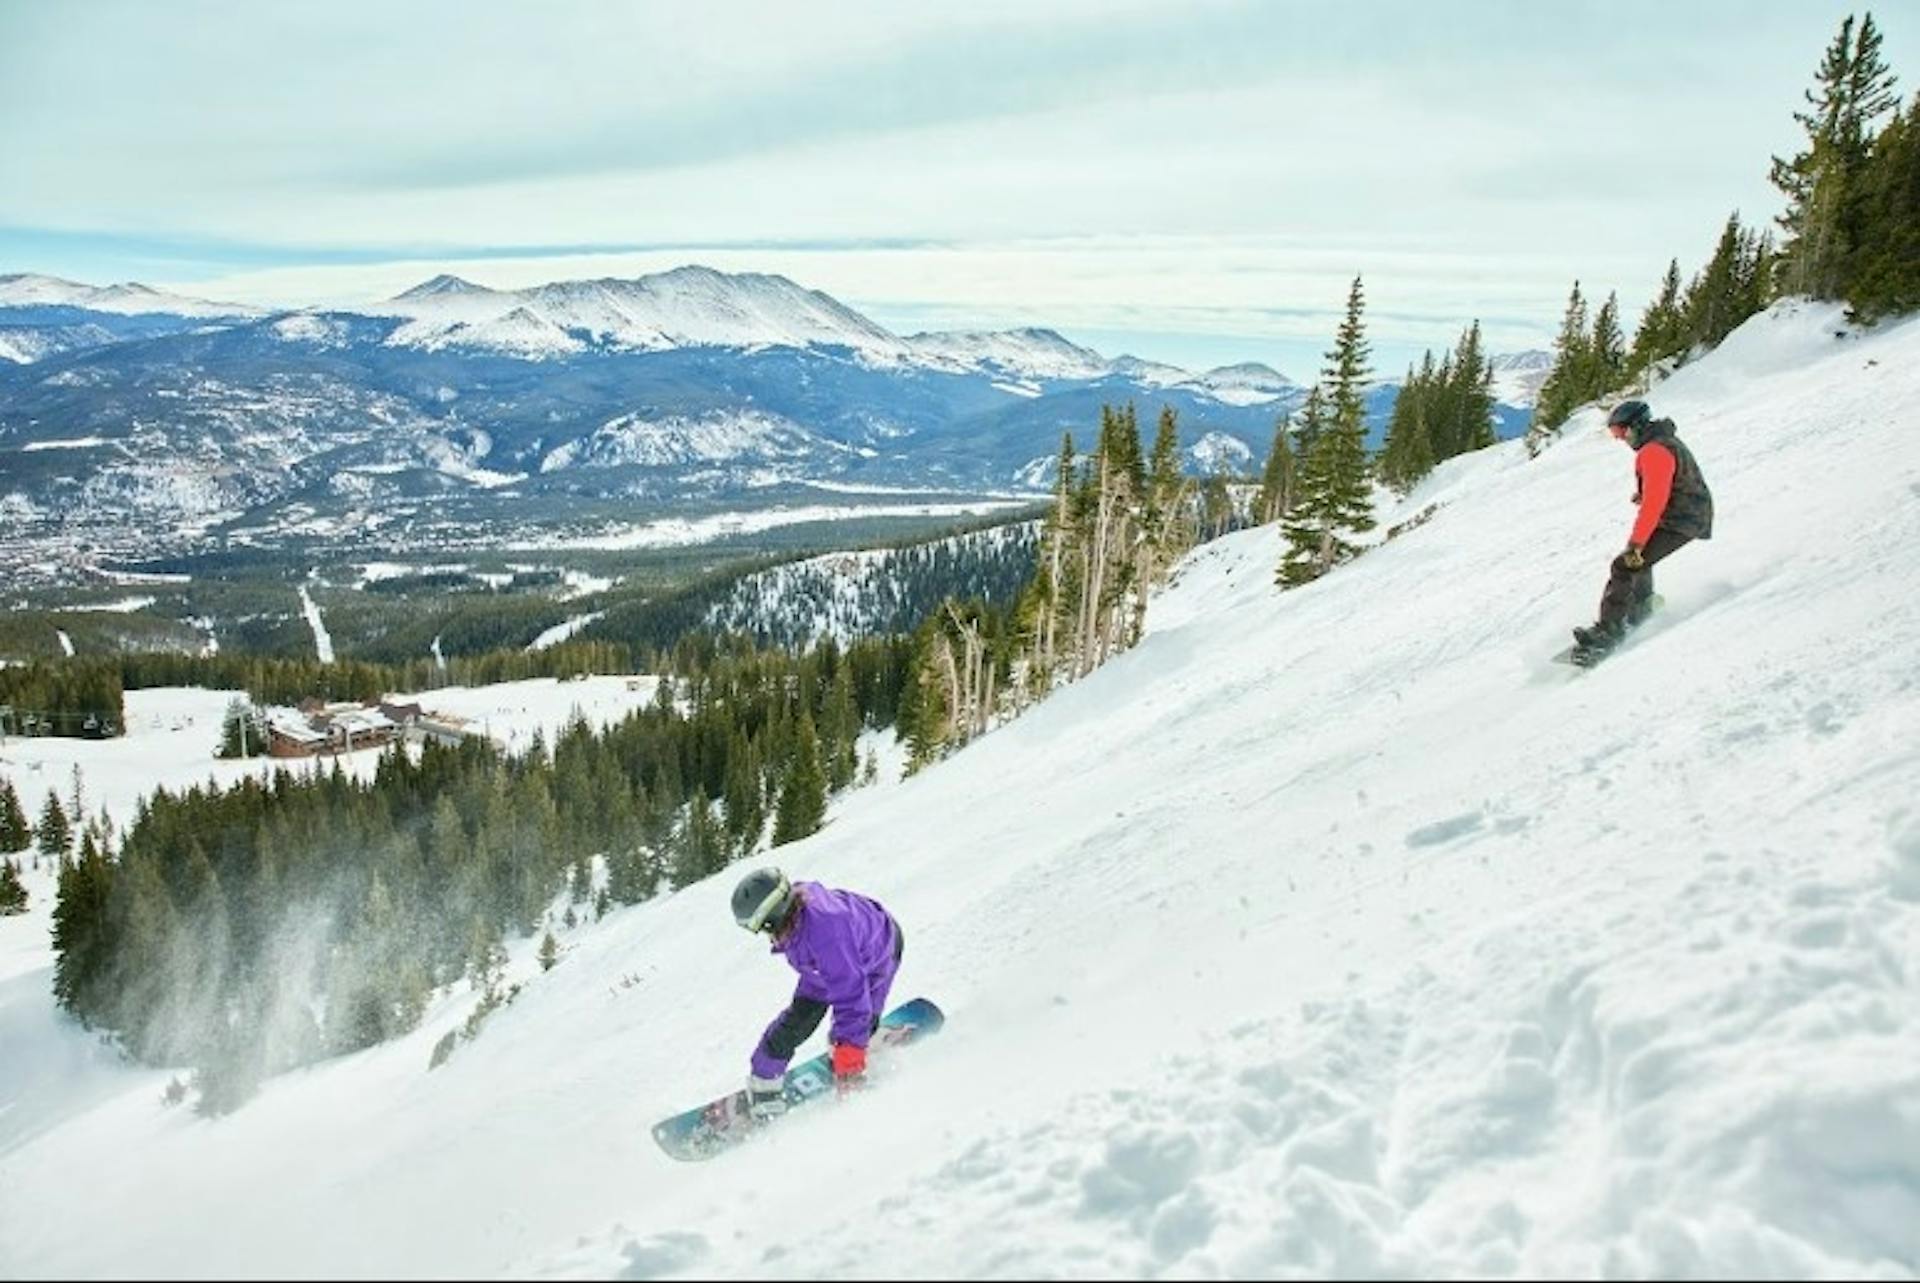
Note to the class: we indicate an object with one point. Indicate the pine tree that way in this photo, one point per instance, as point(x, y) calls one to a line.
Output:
point(549, 951)
point(1606, 352)
point(1336, 496)
point(56, 835)
point(1402, 424)
point(1662, 329)
point(1168, 530)
point(486, 961)
point(1313, 420)
point(1470, 398)
point(1560, 394)
point(15, 833)
point(83, 949)
point(1822, 183)
point(743, 803)
point(1407, 454)
point(241, 734)
point(703, 847)
point(840, 731)
point(1043, 613)
point(803, 795)
point(1887, 279)
point(13, 893)
point(1346, 371)
point(1276, 478)
point(1728, 290)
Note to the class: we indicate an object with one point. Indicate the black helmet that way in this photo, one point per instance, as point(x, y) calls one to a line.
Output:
point(1633, 416)
point(763, 901)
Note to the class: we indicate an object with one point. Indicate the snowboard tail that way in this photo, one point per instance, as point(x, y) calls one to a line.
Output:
point(720, 1124)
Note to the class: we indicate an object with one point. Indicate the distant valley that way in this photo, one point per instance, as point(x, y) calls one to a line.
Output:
point(686, 407)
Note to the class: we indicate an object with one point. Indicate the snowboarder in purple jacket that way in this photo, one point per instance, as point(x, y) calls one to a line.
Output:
point(846, 948)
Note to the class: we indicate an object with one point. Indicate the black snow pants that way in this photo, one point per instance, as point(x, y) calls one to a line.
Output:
point(1627, 591)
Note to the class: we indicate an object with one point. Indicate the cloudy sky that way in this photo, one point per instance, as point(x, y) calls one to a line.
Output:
point(1194, 182)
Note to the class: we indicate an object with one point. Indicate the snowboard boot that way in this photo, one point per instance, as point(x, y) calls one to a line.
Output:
point(1591, 644)
point(1597, 636)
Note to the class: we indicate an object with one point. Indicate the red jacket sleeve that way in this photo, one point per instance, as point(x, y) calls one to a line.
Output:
point(1655, 464)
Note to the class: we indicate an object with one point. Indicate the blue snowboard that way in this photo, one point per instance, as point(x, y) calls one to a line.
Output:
point(723, 1123)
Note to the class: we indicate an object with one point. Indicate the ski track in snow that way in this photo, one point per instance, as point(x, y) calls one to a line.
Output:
point(322, 640)
point(560, 632)
point(1329, 933)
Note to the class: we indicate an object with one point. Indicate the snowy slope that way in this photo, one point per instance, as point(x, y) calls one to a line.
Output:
point(23, 347)
point(679, 441)
point(1327, 933)
point(848, 595)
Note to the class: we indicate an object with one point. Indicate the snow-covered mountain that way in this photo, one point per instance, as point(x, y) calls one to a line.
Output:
point(1218, 452)
point(700, 307)
point(26, 289)
point(1328, 933)
point(1517, 376)
point(459, 412)
point(1249, 383)
point(1018, 354)
point(685, 307)
point(1149, 373)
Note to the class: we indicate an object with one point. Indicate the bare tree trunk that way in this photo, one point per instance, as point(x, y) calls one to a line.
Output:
point(971, 679)
point(1096, 582)
point(952, 675)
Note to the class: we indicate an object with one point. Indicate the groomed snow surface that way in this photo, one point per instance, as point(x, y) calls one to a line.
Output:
point(1328, 933)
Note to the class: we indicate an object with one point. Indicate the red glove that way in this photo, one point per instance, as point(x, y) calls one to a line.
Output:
point(849, 1064)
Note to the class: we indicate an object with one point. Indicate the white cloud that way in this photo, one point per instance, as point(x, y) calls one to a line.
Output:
point(1169, 165)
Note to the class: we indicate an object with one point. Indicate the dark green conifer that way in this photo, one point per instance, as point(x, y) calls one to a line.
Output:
point(13, 893)
point(15, 833)
point(1823, 183)
point(1560, 394)
point(1886, 280)
point(1335, 499)
point(803, 793)
point(1276, 478)
point(1662, 329)
point(55, 833)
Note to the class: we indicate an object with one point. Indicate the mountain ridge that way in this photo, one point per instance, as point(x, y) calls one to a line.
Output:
point(456, 412)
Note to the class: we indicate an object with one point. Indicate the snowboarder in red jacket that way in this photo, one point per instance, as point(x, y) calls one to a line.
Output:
point(846, 949)
point(1675, 508)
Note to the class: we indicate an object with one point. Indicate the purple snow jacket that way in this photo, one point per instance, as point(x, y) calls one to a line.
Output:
point(846, 949)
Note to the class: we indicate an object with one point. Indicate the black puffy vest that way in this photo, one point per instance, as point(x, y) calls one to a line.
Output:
point(1690, 506)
